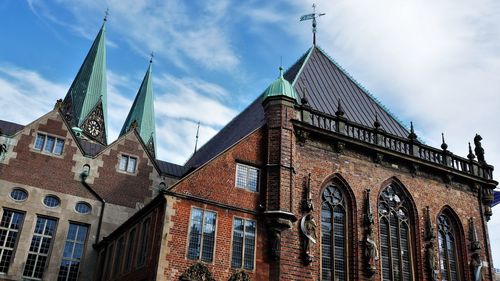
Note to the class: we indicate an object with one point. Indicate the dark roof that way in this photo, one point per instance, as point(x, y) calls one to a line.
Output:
point(326, 82)
point(9, 128)
point(172, 169)
point(90, 148)
point(248, 120)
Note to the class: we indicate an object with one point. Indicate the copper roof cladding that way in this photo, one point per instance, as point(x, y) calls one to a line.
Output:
point(325, 82)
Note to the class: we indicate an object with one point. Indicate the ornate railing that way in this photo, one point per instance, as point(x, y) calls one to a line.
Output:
point(408, 146)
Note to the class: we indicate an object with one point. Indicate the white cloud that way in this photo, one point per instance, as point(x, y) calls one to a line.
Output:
point(26, 95)
point(436, 63)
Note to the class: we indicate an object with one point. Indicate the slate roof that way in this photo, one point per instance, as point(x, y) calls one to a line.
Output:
point(9, 128)
point(172, 169)
point(325, 82)
point(91, 148)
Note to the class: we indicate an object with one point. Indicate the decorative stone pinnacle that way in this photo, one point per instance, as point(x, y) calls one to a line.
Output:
point(340, 112)
point(444, 146)
point(412, 135)
point(376, 124)
point(471, 155)
point(304, 100)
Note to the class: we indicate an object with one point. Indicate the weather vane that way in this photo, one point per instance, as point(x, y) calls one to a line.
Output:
point(312, 17)
point(151, 56)
point(106, 14)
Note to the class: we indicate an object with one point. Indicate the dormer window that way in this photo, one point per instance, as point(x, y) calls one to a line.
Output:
point(127, 163)
point(247, 177)
point(49, 144)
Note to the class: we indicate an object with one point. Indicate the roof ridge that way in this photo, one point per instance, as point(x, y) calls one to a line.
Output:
point(364, 89)
point(308, 52)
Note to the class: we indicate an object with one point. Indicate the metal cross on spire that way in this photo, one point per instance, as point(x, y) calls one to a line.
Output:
point(312, 17)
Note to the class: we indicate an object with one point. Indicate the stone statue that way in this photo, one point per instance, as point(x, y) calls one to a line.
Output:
point(308, 227)
point(371, 251)
point(59, 104)
point(275, 244)
point(431, 262)
point(477, 267)
point(479, 150)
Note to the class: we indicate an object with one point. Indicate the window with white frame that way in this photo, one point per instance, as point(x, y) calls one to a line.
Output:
point(10, 225)
point(127, 163)
point(38, 253)
point(243, 243)
point(49, 144)
point(247, 177)
point(202, 235)
point(73, 252)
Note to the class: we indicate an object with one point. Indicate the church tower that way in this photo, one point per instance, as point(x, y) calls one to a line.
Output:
point(141, 116)
point(84, 106)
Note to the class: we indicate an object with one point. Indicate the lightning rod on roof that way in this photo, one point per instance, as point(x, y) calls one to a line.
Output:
point(312, 17)
point(197, 134)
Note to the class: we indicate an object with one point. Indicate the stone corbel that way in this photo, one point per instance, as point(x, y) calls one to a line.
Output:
point(302, 136)
point(277, 222)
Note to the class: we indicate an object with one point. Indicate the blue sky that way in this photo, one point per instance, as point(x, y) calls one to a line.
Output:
point(434, 63)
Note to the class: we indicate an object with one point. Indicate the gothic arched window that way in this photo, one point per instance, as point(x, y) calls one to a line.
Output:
point(448, 256)
point(395, 234)
point(334, 226)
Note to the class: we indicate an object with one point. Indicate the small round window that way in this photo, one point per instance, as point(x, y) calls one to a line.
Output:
point(51, 201)
point(83, 208)
point(18, 194)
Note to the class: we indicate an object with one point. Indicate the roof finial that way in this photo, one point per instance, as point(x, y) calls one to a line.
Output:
point(376, 124)
point(444, 146)
point(412, 135)
point(197, 135)
point(304, 99)
point(281, 72)
point(312, 17)
point(471, 155)
point(151, 56)
point(106, 14)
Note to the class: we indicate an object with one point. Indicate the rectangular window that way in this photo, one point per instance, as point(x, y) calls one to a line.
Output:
point(202, 235)
point(38, 253)
point(127, 163)
point(143, 247)
point(247, 177)
point(73, 252)
point(243, 243)
point(10, 225)
point(49, 144)
point(108, 264)
point(130, 248)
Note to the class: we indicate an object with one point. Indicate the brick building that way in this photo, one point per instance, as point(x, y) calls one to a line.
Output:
point(314, 180)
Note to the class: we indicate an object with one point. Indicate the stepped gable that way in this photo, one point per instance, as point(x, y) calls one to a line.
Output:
point(326, 82)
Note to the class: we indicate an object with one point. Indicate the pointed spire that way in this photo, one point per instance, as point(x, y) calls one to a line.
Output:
point(141, 114)
point(412, 135)
point(87, 97)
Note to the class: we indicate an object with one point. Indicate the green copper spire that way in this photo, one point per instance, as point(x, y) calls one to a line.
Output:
point(142, 115)
point(85, 103)
point(281, 87)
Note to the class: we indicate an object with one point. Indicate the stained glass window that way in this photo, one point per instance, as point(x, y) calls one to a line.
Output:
point(333, 235)
point(395, 235)
point(448, 256)
point(10, 226)
point(202, 235)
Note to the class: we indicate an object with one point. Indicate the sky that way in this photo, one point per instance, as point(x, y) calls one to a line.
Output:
point(435, 63)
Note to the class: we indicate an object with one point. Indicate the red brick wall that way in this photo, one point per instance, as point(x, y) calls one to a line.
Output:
point(216, 182)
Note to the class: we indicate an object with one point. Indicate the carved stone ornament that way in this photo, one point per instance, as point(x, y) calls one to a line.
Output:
point(371, 253)
point(475, 245)
point(302, 136)
point(3, 149)
point(307, 203)
point(276, 225)
point(240, 276)
point(430, 231)
point(430, 252)
point(197, 272)
point(59, 104)
point(378, 158)
point(339, 147)
point(308, 228)
point(414, 169)
point(479, 150)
